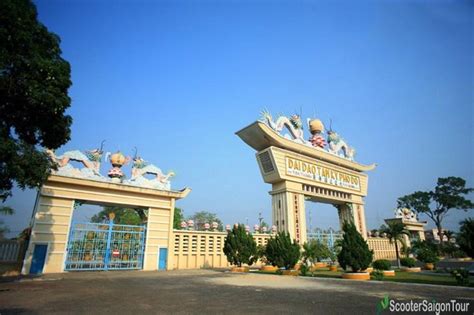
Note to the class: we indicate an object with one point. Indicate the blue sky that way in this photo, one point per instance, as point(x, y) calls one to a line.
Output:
point(177, 79)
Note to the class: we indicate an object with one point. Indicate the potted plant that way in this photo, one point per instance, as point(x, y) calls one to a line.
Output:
point(333, 256)
point(261, 252)
point(314, 252)
point(428, 257)
point(369, 269)
point(333, 266)
point(281, 251)
point(308, 258)
point(321, 251)
point(408, 264)
point(395, 232)
point(240, 248)
point(355, 253)
point(384, 266)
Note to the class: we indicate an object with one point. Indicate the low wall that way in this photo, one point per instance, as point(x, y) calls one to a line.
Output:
point(11, 257)
point(203, 249)
point(382, 248)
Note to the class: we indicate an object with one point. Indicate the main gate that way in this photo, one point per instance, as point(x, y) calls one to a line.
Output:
point(96, 246)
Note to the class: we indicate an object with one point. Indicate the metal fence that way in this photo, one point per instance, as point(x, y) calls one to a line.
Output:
point(10, 251)
point(95, 246)
point(327, 237)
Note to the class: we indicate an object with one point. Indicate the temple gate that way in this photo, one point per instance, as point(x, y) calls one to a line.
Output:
point(300, 170)
point(58, 244)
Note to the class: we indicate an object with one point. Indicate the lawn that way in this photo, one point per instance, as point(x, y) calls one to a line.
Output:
point(400, 276)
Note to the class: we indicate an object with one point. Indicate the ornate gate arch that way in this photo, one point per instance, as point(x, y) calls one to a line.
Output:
point(54, 233)
point(319, 169)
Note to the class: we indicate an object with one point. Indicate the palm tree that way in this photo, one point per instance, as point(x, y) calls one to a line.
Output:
point(395, 232)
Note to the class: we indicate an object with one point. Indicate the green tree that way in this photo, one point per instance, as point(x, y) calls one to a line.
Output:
point(5, 210)
point(448, 194)
point(355, 252)
point(178, 218)
point(465, 237)
point(395, 232)
point(315, 251)
point(202, 217)
point(34, 83)
point(449, 234)
point(240, 247)
point(281, 251)
point(128, 216)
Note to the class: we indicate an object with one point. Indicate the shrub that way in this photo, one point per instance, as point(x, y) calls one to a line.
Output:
point(427, 255)
point(458, 254)
point(304, 269)
point(382, 264)
point(465, 238)
point(408, 262)
point(461, 276)
point(377, 275)
point(261, 254)
point(281, 251)
point(418, 245)
point(240, 247)
point(355, 252)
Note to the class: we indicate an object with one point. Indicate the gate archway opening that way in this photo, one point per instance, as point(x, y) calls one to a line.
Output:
point(106, 237)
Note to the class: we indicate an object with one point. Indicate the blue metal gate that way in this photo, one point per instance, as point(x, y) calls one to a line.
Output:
point(39, 256)
point(163, 258)
point(96, 246)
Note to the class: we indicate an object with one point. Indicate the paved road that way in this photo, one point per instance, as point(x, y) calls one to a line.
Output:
point(208, 292)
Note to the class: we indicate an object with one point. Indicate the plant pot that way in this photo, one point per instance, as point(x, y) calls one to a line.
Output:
point(411, 269)
point(320, 265)
point(269, 268)
point(369, 269)
point(291, 272)
point(239, 269)
point(356, 275)
point(389, 273)
point(429, 266)
point(332, 268)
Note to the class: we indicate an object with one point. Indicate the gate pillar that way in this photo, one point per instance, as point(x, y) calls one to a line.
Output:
point(288, 213)
point(50, 226)
point(351, 212)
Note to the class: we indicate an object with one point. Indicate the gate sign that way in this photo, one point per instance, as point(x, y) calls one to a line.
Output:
point(321, 174)
point(115, 253)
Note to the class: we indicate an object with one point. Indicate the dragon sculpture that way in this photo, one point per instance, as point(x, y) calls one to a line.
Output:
point(141, 167)
point(406, 214)
point(91, 170)
point(90, 159)
point(335, 143)
point(293, 124)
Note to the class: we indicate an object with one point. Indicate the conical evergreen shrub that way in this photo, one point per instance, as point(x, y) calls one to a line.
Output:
point(281, 251)
point(355, 252)
point(240, 247)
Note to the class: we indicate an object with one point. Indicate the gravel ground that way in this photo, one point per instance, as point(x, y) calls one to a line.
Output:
point(209, 292)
